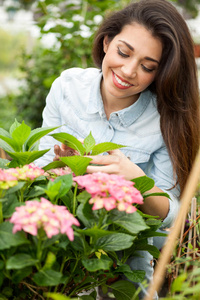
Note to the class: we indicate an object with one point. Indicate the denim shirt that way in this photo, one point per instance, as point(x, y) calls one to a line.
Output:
point(75, 102)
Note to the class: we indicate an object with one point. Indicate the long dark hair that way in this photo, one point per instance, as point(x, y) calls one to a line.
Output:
point(176, 82)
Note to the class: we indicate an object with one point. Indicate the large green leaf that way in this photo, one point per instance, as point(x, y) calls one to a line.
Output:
point(25, 158)
point(123, 290)
point(95, 264)
point(37, 134)
point(78, 164)
point(104, 147)
point(47, 278)
point(143, 183)
point(115, 242)
point(8, 239)
point(20, 135)
point(89, 143)
point(70, 141)
point(134, 222)
point(20, 261)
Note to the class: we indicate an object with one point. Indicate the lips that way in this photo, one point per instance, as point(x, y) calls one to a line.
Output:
point(120, 83)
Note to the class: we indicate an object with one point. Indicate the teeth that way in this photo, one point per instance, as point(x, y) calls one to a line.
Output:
point(121, 82)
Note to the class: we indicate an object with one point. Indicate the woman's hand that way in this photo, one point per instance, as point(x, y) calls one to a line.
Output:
point(63, 150)
point(115, 163)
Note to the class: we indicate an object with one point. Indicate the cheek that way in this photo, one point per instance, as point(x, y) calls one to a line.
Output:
point(147, 79)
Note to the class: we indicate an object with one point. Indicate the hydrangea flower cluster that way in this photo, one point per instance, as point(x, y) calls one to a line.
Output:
point(110, 191)
point(7, 180)
point(27, 172)
point(53, 219)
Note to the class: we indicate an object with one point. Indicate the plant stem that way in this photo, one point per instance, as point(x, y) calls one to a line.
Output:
point(1, 212)
point(74, 199)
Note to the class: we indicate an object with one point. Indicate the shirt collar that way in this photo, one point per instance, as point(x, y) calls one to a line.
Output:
point(127, 115)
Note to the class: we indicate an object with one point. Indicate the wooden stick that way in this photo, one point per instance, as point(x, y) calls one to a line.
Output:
point(171, 242)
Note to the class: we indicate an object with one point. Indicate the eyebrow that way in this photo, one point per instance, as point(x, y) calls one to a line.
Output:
point(132, 49)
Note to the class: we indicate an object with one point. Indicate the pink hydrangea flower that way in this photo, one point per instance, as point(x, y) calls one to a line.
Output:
point(110, 191)
point(27, 172)
point(7, 180)
point(52, 218)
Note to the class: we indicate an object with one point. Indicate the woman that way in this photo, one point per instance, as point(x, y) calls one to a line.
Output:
point(144, 94)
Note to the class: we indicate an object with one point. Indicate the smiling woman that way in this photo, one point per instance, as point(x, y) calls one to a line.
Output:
point(144, 95)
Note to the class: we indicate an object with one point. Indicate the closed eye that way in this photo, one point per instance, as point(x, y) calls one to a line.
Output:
point(121, 53)
point(147, 69)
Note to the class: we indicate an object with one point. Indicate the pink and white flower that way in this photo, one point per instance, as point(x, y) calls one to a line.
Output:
point(110, 191)
point(53, 219)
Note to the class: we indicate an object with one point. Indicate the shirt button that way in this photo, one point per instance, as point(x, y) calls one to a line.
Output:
point(110, 127)
point(117, 114)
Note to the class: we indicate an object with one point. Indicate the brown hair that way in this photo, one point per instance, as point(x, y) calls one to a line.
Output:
point(176, 83)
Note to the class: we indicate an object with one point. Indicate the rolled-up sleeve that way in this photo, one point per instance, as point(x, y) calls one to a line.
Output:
point(162, 174)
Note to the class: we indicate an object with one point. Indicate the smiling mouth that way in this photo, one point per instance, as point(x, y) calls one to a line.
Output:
point(123, 83)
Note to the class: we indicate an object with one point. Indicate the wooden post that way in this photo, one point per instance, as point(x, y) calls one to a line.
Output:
point(171, 241)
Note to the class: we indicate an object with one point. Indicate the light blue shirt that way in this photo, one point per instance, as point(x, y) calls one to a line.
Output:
point(75, 102)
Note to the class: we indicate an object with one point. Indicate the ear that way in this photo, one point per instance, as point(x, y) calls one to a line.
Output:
point(105, 44)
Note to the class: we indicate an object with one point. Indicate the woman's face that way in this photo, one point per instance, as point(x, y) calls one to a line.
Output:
point(130, 64)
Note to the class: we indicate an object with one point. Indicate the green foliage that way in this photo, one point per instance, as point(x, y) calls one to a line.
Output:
point(70, 266)
point(21, 143)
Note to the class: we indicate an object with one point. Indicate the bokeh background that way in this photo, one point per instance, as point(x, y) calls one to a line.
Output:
point(41, 38)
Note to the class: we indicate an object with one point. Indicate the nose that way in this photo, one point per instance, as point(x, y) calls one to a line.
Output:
point(129, 70)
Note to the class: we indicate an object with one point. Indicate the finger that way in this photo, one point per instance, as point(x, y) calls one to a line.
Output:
point(109, 169)
point(56, 149)
point(104, 159)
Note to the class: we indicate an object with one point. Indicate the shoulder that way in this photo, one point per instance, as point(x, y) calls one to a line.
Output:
point(79, 74)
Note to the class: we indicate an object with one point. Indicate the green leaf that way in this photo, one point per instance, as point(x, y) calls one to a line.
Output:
point(9, 142)
point(54, 165)
point(14, 126)
point(66, 184)
point(20, 274)
point(133, 275)
point(134, 222)
point(37, 134)
point(78, 164)
point(89, 143)
point(95, 232)
point(143, 183)
point(20, 261)
point(123, 290)
point(53, 190)
point(47, 278)
point(156, 194)
point(178, 282)
point(56, 296)
point(20, 135)
point(95, 264)
point(8, 239)
point(25, 158)
point(115, 242)
point(104, 147)
point(151, 249)
point(70, 141)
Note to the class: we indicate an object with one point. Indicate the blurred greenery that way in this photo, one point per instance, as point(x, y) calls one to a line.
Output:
point(72, 24)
